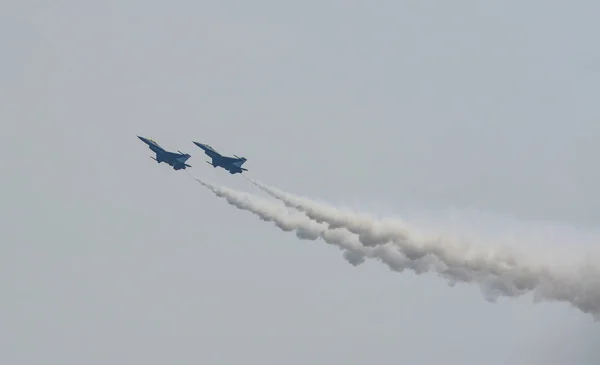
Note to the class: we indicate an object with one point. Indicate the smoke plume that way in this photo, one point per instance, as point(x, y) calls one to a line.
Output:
point(498, 274)
point(371, 232)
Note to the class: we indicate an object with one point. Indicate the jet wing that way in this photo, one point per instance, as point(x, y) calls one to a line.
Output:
point(174, 155)
point(229, 159)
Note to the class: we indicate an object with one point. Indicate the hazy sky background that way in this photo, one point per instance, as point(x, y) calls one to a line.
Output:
point(404, 108)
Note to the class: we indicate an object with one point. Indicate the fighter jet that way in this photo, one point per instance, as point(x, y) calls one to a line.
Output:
point(231, 164)
point(175, 160)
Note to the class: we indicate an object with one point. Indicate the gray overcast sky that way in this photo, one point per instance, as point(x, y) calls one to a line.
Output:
point(396, 107)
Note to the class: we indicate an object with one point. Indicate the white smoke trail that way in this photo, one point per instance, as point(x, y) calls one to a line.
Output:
point(370, 231)
point(506, 275)
point(457, 256)
point(307, 229)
